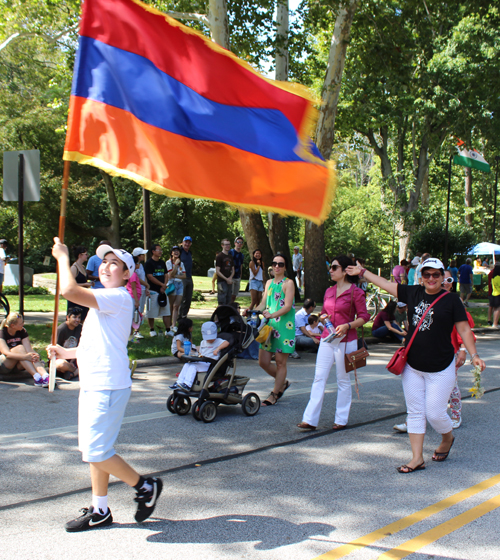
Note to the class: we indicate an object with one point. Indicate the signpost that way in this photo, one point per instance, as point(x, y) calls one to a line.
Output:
point(21, 182)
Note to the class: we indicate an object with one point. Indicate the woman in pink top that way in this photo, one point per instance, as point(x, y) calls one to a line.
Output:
point(345, 306)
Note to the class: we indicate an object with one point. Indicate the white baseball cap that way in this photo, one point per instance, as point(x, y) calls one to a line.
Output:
point(103, 250)
point(209, 330)
point(401, 304)
point(138, 251)
point(433, 263)
point(415, 261)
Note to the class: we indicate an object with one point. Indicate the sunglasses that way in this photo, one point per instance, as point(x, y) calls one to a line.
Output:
point(428, 275)
point(335, 266)
point(448, 280)
point(278, 264)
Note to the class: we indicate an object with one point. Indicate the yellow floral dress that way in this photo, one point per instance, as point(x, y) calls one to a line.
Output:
point(283, 337)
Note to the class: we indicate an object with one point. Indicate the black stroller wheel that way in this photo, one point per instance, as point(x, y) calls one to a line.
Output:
point(182, 405)
point(251, 404)
point(195, 411)
point(208, 411)
point(170, 404)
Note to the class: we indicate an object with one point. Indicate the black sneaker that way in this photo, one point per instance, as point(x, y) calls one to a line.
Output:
point(147, 500)
point(89, 520)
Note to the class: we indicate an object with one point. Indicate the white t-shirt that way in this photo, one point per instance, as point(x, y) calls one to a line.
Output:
point(180, 269)
point(297, 261)
point(313, 331)
point(102, 352)
point(207, 348)
point(2, 262)
point(174, 342)
point(141, 272)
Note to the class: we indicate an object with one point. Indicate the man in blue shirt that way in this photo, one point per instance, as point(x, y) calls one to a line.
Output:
point(93, 265)
point(303, 339)
point(466, 282)
point(238, 258)
point(187, 260)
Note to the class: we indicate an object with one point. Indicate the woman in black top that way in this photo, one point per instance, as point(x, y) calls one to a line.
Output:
point(429, 375)
point(79, 272)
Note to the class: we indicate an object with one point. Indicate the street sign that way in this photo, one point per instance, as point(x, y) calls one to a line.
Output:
point(31, 175)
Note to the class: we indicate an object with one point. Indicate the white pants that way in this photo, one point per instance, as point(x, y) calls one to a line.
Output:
point(327, 356)
point(188, 372)
point(427, 396)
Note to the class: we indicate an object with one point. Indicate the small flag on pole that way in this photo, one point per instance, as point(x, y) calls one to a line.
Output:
point(471, 158)
point(157, 102)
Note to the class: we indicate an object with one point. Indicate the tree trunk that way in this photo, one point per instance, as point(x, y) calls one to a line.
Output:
point(425, 189)
point(325, 131)
point(112, 233)
point(278, 231)
point(256, 236)
point(315, 277)
point(404, 240)
point(278, 238)
point(468, 195)
point(282, 56)
point(253, 226)
point(218, 22)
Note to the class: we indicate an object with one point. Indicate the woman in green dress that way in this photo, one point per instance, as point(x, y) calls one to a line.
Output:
point(278, 307)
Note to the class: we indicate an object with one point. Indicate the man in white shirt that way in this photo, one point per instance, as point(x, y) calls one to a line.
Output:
point(3, 261)
point(297, 265)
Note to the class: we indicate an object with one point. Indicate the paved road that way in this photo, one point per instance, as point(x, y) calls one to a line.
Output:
point(256, 487)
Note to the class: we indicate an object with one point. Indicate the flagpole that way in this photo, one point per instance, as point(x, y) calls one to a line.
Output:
point(62, 227)
point(447, 214)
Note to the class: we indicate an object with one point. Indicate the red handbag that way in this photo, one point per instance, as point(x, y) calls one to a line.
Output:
point(397, 363)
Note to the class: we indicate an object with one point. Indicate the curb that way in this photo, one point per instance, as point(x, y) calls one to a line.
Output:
point(157, 361)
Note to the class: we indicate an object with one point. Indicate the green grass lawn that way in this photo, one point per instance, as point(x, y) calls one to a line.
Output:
point(148, 347)
point(37, 303)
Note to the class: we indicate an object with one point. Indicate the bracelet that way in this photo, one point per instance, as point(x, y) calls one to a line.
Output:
point(473, 356)
point(349, 325)
point(362, 272)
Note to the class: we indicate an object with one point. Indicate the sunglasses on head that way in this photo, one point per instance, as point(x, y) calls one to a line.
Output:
point(428, 275)
point(335, 266)
point(278, 264)
point(448, 280)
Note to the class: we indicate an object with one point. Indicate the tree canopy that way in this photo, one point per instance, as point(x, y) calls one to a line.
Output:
point(417, 75)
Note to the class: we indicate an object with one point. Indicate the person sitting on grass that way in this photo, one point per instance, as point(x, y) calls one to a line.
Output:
point(210, 347)
point(68, 336)
point(184, 331)
point(385, 324)
point(17, 353)
point(105, 383)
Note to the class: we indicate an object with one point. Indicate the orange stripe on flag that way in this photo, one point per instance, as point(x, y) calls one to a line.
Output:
point(114, 140)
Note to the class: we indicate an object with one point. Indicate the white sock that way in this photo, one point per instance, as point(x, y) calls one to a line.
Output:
point(100, 504)
point(37, 376)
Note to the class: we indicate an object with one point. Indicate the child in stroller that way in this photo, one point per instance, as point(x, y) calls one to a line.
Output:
point(218, 383)
point(209, 348)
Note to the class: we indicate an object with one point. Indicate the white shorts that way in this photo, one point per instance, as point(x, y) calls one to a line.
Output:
point(155, 310)
point(100, 416)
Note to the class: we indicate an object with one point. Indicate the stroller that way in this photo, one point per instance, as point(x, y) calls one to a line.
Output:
point(220, 384)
